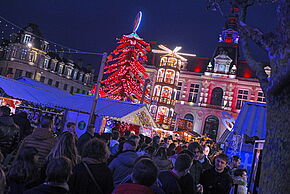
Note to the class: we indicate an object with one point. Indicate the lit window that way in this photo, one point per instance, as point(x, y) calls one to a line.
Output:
point(23, 54)
point(45, 63)
point(242, 96)
point(27, 39)
point(193, 93)
point(261, 97)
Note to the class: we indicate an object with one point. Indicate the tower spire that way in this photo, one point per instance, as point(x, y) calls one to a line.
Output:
point(230, 33)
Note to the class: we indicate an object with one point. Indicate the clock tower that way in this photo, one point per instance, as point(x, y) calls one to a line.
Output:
point(225, 58)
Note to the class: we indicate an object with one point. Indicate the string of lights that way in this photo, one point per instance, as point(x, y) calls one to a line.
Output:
point(4, 23)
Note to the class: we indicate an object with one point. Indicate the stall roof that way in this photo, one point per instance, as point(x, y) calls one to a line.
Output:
point(251, 120)
point(27, 91)
point(36, 92)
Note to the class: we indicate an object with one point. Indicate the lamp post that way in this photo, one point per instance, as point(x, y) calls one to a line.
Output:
point(96, 96)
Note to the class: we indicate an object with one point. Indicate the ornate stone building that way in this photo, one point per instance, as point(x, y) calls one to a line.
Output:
point(210, 91)
point(27, 54)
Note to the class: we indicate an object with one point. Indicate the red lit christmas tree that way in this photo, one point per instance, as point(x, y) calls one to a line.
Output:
point(127, 74)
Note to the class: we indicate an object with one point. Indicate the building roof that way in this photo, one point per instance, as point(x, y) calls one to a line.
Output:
point(252, 120)
point(39, 93)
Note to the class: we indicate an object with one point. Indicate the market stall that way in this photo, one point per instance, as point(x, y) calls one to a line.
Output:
point(32, 99)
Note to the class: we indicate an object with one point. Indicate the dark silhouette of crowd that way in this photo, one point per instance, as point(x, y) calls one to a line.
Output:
point(39, 161)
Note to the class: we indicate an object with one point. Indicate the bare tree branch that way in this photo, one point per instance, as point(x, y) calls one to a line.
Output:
point(255, 35)
point(256, 66)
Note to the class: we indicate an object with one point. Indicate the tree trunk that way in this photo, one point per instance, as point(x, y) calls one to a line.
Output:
point(275, 172)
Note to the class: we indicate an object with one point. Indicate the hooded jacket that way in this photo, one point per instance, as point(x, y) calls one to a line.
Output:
point(122, 165)
point(9, 135)
point(41, 139)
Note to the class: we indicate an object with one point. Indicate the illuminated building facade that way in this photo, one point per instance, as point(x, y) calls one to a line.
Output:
point(27, 54)
point(210, 91)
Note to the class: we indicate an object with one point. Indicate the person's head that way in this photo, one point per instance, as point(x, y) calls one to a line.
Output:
point(71, 127)
point(58, 170)
point(5, 111)
point(236, 162)
point(196, 150)
point(239, 172)
point(221, 162)
point(188, 153)
point(46, 122)
point(115, 135)
point(96, 149)
point(134, 138)
point(127, 133)
point(183, 163)
point(142, 138)
point(206, 150)
point(65, 147)
point(156, 139)
point(169, 141)
point(150, 150)
point(25, 166)
point(129, 145)
point(145, 172)
point(28, 155)
point(148, 140)
point(161, 153)
point(91, 129)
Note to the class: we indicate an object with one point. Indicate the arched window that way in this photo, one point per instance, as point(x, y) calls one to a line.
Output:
point(189, 121)
point(211, 127)
point(189, 117)
point(217, 96)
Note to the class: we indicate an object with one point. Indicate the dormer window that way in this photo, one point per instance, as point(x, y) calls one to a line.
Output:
point(45, 63)
point(27, 39)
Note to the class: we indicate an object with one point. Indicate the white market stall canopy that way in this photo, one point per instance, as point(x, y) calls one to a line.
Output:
point(39, 93)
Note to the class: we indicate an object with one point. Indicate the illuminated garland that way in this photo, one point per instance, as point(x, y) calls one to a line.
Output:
point(126, 71)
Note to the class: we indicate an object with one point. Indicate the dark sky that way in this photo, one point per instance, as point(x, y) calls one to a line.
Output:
point(94, 25)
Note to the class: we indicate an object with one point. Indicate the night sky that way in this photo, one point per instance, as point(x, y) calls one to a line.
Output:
point(94, 25)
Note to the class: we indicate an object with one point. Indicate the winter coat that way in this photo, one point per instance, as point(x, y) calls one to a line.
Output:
point(122, 165)
point(169, 182)
point(84, 138)
point(195, 171)
point(214, 182)
point(130, 188)
point(240, 186)
point(81, 182)
point(49, 189)
point(186, 184)
point(41, 139)
point(24, 124)
point(163, 164)
point(206, 163)
point(9, 135)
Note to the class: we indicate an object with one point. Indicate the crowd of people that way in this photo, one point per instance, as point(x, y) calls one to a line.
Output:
point(41, 162)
